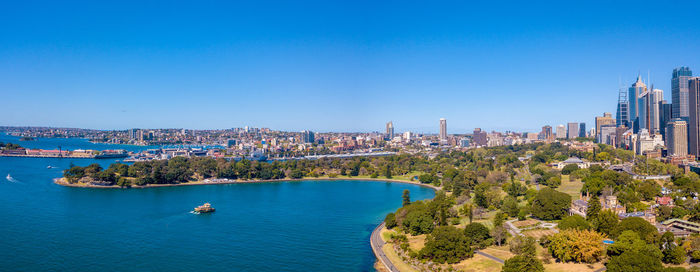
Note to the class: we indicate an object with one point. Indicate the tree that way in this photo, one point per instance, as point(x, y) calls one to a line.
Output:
point(568, 169)
point(390, 221)
point(594, 207)
point(521, 263)
point(577, 246)
point(549, 204)
point(468, 210)
point(406, 197)
point(510, 206)
point(674, 255)
point(644, 229)
point(606, 222)
point(387, 171)
point(574, 222)
point(634, 261)
point(446, 244)
point(523, 245)
point(499, 235)
point(478, 233)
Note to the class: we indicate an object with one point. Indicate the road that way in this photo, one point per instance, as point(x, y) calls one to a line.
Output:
point(489, 256)
point(377, 243)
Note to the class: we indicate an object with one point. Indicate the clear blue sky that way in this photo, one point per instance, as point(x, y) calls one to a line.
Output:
point(331, 65)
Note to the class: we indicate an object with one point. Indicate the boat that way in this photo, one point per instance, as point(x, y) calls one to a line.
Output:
point(206, 208)
point(49, 167)
point(9, 178)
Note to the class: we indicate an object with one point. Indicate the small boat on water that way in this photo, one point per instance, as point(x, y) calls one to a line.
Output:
point(9, 178)
point(206, 208)
point(49, 167)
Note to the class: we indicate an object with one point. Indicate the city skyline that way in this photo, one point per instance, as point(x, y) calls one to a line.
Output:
point(358, 67)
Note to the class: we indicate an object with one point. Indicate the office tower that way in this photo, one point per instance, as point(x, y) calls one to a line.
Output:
point(479, 138)
point(679, 92)
point(677, 140)
point(307, 136)
point(561, 132)
point(642, 121)
point(665, 110)
point(607, 134)
point(546, 134)
point(606, 119)
point(407, 136)
point(390, 130)
point(582, 130)
point(572, 130)
point(623, 112)
point(133, 134)
point(464, 142)
point(443, 129)
point(655, 98)
point(694, 116)
point(635, 94)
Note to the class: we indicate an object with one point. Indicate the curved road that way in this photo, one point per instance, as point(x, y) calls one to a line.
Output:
point(377, 243)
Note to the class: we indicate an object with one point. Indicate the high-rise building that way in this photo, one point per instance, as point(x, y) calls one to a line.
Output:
point(561, 132)
point(443, 129)
point(307, 136)
point(677, 137)
point(600, 121)
point(694, 116)
point(390, 130)
point(407, 136)
point(679, 92)
point(623, 111)
point(480, 138)
point(572, 130)
point(133, 134)
point(666, 111)
point(655, 98)
point(582, 130)
point(635, 93)
point(546, 134)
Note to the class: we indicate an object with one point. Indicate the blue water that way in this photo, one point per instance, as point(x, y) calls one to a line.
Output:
point(290, 226)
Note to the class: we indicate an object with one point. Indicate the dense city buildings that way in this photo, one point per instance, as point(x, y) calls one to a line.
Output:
point(546, 134)
point(677, 137)
point(561, 132)
point(679, 92)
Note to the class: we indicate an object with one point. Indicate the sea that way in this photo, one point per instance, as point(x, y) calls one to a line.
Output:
point(281, 226)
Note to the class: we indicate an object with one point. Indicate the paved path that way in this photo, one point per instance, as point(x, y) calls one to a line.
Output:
point(489, 256)
point(377, 243)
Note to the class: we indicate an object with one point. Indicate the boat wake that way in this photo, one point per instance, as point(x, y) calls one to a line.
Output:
point(10, 178)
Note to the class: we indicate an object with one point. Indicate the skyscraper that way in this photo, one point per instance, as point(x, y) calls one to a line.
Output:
point(582, 130)
point(635, 93)
point(546, 134)
point(390, 130)
point(307, 136)
point(561, 132)
point(572, 131)
point(655, 98)
point(679, 92)
point(694, 116)
point(443, 129)
point(600, 121)
point(623, 112)
point(665, 110)
point(677, 137)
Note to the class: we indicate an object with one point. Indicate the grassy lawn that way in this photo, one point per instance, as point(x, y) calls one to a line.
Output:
point(396, 260)
point(478, 263)
point(572, 188)
point(386, 234)
point(502, 252)
point(571, 267)
point(416, 242)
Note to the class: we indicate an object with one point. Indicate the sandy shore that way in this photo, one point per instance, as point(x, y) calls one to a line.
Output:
point(63, 182)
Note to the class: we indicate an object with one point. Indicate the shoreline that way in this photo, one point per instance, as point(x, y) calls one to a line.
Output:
point(62, 182)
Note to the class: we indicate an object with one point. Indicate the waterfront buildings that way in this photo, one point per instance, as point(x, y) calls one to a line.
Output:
point(677, 137)
point(680, 92)
point(572, 130)
point(443, 130)
point(694, 116)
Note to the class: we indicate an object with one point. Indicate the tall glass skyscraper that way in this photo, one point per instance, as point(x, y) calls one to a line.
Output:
point(635, 93)
point(679, 92)
point(622, 118)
